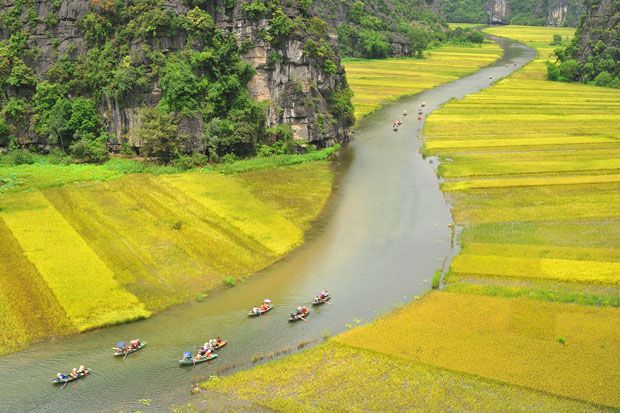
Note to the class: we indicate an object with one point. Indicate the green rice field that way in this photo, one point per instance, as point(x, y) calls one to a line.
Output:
point(136, 244)
point(375, 82)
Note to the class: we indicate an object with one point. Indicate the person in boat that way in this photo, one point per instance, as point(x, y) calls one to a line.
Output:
point(255, 310)
point(323, 295)
point(304, 310)
point(207, 354)
point(74, 372)
point(264, 306)
point(405, 113)
point(133, 344)
point(298, 310)
point(293, 316)
point(218, 341)
point(82, 370)
point(61, 376)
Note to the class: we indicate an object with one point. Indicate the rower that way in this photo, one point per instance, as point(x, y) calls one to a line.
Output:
point(304, 310)
point(61, 376)
point(219, 341)
point(74, 372)
point(82, 370)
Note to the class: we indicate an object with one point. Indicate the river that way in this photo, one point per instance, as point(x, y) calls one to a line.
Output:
point(383, 234)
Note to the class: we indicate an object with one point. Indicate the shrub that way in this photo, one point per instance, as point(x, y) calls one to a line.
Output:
point(158, 135)
point(603, 79)
point(561, 340)
point(436, 279)
point(230, 281)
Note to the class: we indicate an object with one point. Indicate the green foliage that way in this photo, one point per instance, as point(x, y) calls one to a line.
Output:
point(158, 135)
point(180, 86)
point(91, 150)
point(254, 9)
point(230, 281)
point(466, 11)
point(436, 279)
point(374, 44)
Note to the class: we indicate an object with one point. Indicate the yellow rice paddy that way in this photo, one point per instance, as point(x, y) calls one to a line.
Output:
point(336, 378)
point(107, 252)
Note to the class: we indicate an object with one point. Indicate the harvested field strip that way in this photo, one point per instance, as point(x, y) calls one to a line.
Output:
point(297, 192)
point(31, 300)
point(587, 272)
point(375, 82)
point(542, 251)
point(600, 234)
point(544, 290)
point(233, 203)
point(67, 264)
point(335, 377)
point(510, 340)
point(530, 181)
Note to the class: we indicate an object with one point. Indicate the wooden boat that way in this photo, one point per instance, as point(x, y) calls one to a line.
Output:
point(130, 350)
point(71, 378)
point(220, 345)
point(318, 301)
point(194, 361)
point(298, 317)
point(251, 314)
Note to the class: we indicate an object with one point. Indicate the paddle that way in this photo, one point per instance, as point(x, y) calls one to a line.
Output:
point(126, 352)
point(302, 318)
point(64, 385)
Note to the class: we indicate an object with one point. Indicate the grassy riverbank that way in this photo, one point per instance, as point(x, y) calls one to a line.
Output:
point(135, 244)
point(376, 82)
point(529, 167)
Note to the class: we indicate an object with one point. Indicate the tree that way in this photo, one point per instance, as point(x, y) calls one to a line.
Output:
point(158, 135)
point(374, 44)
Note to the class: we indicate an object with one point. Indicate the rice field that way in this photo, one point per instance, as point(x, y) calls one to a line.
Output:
point(337, 377)
point(375, 82)
point(563, 349)
point(141, 243)
point(539, 202)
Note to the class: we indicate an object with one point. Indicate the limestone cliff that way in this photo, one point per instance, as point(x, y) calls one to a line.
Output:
point(297, 85)
point(535, 12)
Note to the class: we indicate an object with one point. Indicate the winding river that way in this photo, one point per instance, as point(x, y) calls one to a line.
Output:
point(383, 234)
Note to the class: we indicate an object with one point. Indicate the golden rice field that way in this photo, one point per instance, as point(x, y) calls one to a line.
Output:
point(375, 82)
point(336, 377)
point(142, 243)
point(511, 340)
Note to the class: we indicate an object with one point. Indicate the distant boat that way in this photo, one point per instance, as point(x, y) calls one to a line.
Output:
point(188, 361)
point(319, 301)
point(259, 312)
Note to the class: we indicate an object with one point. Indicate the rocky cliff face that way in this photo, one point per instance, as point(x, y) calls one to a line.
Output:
point(535, 12)
point(498, 11)
point(600, 25)
point(294, 84)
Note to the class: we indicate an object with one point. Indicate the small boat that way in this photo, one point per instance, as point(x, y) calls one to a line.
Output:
point(58, 380)
point(259, 312)
point(121, 350)
point(395, 128)
point(190, 361)
point(220, 345)
point(297, 317)
point(319, 301)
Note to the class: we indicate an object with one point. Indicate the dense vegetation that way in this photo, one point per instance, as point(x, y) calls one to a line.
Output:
point(373, 29)
point(124, 59)
point(593, 56)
